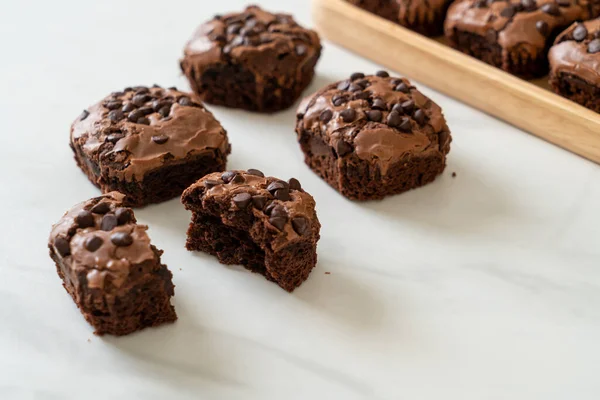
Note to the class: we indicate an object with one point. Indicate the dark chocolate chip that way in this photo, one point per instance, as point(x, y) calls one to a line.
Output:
point(550, 8)
point(542, 27)
point(115, 115)
point(508, 12)
point(408, 106)
point(255, 172)
point(394, 119)
point(594, 46)
point(529, 5)
point(242, 200)
point(405, 125)
point(210, 183)
point(124, 215)
point(101, 208)
point(146, 110)
point(134, 115)
point(402, 87)
point(363, 83)
point(398, 108)
point(143, 121)
point(419, 116)
point(228, 176)
point(580, 33)
point(160, 139)
point(220, 38)
point(379, 104)
point(361, 95)
point(338, 100)
point(282, 194)
point(238, 179)
point(326, 116)
point(114, 137)
point(343, 85)
point(278, 222)
point(129, 107)
point(140, 99)
point(374, 115)
point(85, 219)
point(342, 148)
point(300, 225)
point(348, 115)
point(140, 89)
point(184, 101)
point(93, 243)
point(276, 185)
point(355, 88)
point(564, 3)
point(109, 222)
point(62, 246)
point(294, 184)
point(382, 74)
point(259, 202)
point(121, 239)
point(113, 105)
point(128, 89)
point(84, 115)
point(357, 75)
point(270, 208)
point(165, 111)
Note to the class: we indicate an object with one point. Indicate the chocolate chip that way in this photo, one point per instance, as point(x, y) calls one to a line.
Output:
point(134, 115)
point(124, 215)
point(542, 27)
point(408, 106)
point(228, 176)
point(564, 3)
point(143, 121)
point(234, 29)
point(580, 33)
point(141, 89)
point(259, 202)
point(594, 46)
point(394, 119)
point(251, 41)
point(114, 137)
point(211, 183)
point(326, 116)
point(528, 5)
point(363, 83)
point(84, 115)
point(338, 100)
point(242, 200)
point(342, 148)
point(128, 89)
point(480, 4)
point(101, 208)
point(419, 116)
point(550, 8)
point(301, 50)
point(184, 101)
point(85, 219)
point(115, 115)
point(343, 85)
point(357, 75)
point(282, 194)
point(270, 208)
point(146, 110)
point(300, 225)
point(402, 87)
point(355, 88)
point(129, 107)
point(220, 38)
point(382, 74)
point(113, 105)
point(348, 115)
point(62, 246)
point(109, 222)
point(160, 139)
point(379, 104)
point(398, 108)
point(278, 222)
point(508, 12)
point(374, 115)
point(93, 243)
point(279, 211)
point(277, 185)
point(140, 99)
point(238, 179)
point(121, 239)
point(361, 95)
point(294, 184)
point(405, 125)
point(255, 172)
point(165, 111)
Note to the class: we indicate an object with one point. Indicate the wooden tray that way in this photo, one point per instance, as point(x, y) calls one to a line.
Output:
point(527, 105)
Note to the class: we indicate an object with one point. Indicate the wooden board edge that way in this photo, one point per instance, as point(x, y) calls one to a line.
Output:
point(522, 104)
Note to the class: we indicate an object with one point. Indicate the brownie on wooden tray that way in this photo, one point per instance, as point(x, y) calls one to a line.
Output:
point(373, 136)
point(575, 64)
point(265, 224)
point(422, 16)
point(253, 60)
point(148, 143)
point(513, 35)
point(110, 268)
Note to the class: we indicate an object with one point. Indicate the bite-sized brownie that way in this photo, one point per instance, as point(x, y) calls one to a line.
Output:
point(373, 136)
point(575, 64)
point(513, 35)
point(422, 16)
point(253, 60)
point(265, 224)
point(110, 268)
point(148, 143)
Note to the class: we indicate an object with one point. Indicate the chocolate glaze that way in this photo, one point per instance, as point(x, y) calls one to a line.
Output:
point(572, 57)
point(129, 147)
point(375, 142)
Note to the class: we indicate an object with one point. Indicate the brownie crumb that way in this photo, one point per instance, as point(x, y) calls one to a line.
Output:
point(454, 174)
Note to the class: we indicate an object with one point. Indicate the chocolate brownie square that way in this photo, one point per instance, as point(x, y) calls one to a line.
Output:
point(265, 224)
point(148, 143)
point(575, 64)
point(373, 136)
point(110, 268)
point(513, 35)
point(253, 60)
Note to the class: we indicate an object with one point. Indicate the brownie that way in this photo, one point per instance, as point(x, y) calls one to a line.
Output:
point(148, 143)
point(265, 224)
point(575, 64)
point(110, 268)
point(373, 136)
point(422, 16)
point(513, 35)
point(253, 60)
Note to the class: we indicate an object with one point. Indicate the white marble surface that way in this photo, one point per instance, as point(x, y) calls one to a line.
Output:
point(483, 286)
